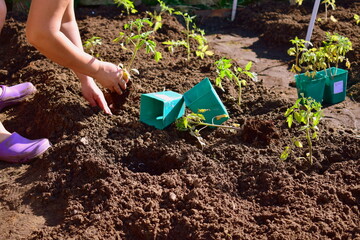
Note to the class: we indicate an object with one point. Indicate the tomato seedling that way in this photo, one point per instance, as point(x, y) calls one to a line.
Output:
point(315, 59)
point(127, 4)
point(157, 17)
point(138, 39)
point(223, 70)
point(90, 45)
point(191, 121)
point(335, 49)
point(195, 33)
point(306, 113)
point(299, 47)
point(327, 3)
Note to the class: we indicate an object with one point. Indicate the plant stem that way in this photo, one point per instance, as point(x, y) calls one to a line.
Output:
point(297, 55)
point(214, 125)
point(133, 57)
point(308, 137)
point(326, 12)
point(135, 51)
point(188, 39)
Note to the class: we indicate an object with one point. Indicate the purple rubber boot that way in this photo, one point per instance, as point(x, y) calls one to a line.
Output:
point(17, 149)
point(15, 94)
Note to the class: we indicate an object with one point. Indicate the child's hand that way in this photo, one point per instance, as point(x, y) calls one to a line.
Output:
point(111, 76)
point(92, 93)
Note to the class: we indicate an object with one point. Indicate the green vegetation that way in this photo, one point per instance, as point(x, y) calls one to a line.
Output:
point(138, 39)
point(194, 33)
point(328, 4)
point(306, 113)
point(127, 4)
point(191, 121)
point(357, 18)
point(297, 50)
point(173, 44)
point(90, 45)
point(156, 18)
point(314, 59)
point(223, 70)
point(335, 49)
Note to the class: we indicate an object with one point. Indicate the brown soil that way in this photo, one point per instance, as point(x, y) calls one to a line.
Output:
point(113, 177)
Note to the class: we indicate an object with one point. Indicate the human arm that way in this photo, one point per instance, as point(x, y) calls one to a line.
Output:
point(89, 89)
point(44, 31)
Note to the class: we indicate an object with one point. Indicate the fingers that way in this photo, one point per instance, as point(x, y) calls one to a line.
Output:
point(101, 102)
point(117, 89)
point(121, 83)
point(124, 77)
point(91, 101)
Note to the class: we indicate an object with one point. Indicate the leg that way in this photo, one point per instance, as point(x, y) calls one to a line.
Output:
point(4, 134)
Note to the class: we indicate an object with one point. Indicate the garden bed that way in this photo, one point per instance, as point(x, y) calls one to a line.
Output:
point(113, 177)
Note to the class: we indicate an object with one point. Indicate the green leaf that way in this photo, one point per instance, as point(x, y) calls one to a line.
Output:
point(209, 53)
point(157, 26)
point(303, 128)
point(298, 144)
point(298, 117)
point(314, 135)
point(289, 120)
point(157, 56)
point(285, 154)
point(288, 111)
point(248, 66)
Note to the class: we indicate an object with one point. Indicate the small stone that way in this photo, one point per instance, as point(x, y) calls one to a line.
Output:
point(172, 196)
point(84, 141)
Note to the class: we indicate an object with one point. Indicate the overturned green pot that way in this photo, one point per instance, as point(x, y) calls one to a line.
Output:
point(160, 109)
point(204, 97)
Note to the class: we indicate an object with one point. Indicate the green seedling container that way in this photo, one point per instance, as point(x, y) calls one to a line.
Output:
point(311, 87)
point(335, 85)
point(160, 109)
point(204, 96)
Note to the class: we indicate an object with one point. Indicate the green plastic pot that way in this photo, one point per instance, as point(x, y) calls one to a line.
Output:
point(204, 96)
point(160, 109)
point(335, 85)
point(311, 87)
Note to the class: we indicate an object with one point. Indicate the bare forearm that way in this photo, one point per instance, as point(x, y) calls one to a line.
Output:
point(52, 29)
point(57, 47)
point(45, 23)
point(71, 31)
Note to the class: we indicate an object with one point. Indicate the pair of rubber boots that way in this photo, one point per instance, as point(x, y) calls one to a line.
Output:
point(15, 148)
